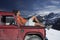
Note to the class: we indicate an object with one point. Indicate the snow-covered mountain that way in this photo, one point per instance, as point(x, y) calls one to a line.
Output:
point(54, 32)
point(53, 19)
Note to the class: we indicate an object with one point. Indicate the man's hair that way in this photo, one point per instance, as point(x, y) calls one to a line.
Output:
point(15, 11)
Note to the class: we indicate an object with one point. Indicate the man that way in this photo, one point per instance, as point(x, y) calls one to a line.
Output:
point(25, 22)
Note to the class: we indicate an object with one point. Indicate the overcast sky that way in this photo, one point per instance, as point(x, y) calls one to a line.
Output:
point(41, 7)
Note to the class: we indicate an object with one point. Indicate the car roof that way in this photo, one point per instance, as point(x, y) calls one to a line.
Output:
point(6, 13)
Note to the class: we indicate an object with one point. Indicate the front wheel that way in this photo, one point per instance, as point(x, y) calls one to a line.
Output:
point(33, 37)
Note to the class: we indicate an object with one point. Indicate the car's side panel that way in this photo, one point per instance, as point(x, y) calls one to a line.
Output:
point(8, 33)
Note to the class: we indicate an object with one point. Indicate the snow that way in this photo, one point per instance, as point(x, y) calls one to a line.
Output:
point(53, 34)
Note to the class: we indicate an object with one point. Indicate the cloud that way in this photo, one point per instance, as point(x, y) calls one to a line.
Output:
point(26, 13)
point(40, 7)
point(52, 8)
point(44, 11)
point(55, 2)
point(48, 9)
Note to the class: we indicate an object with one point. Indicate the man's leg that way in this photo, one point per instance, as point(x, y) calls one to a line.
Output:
point(37, 24)
point(34, 18)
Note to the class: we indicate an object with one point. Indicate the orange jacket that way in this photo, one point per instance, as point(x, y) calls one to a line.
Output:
point(21, 20)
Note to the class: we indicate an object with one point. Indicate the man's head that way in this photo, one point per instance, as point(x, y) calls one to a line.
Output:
point(16, 12)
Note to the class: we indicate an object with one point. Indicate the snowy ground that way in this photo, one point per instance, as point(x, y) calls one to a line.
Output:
point(53, 34)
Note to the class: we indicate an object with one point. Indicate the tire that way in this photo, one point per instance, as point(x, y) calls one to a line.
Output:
point(34, 37)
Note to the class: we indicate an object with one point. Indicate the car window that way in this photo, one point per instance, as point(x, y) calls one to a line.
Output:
point(7, 20)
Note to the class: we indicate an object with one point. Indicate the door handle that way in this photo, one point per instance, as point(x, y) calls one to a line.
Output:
point(22, 30)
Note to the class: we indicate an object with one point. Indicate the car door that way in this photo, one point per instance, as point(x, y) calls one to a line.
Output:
point(8, 28)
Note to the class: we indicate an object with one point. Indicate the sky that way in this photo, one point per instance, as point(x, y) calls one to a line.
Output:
point(27, 7)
